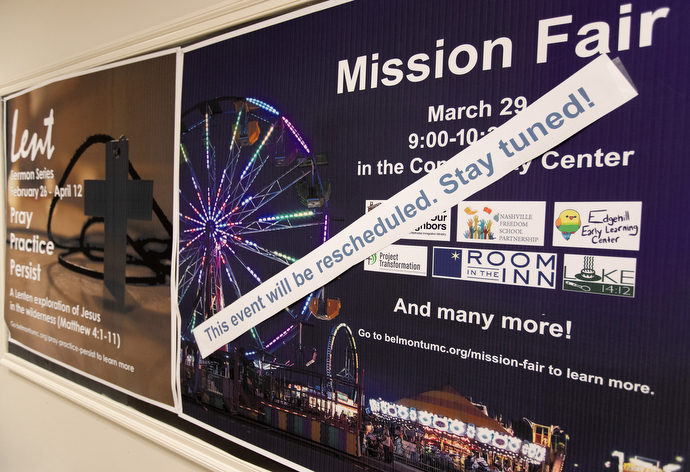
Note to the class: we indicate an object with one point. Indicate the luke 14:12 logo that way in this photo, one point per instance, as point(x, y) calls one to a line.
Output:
point(599, 274)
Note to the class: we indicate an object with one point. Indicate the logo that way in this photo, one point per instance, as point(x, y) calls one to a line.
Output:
point(530, 269)
point(479, 226)
point(602, 275)
point(598, 225)
point(436, 229)
point(447, 263)
point(399, 259)
point(568, 222)
point(517, 223)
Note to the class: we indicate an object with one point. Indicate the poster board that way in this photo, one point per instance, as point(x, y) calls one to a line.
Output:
point(524, 303)
point(83, 150)
point(544, 209)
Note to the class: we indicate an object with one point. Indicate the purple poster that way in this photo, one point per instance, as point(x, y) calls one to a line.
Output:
point(540, 325)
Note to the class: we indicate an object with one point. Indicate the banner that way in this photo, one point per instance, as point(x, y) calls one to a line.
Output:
point(327, 160)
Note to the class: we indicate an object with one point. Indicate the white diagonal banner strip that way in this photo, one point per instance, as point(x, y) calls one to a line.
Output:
point(594, 91)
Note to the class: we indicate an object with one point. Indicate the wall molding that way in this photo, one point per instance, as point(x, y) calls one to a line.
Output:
point(183, 30)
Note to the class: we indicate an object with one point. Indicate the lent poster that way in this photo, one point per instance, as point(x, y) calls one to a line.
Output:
point(541, 324)
point(90, 173)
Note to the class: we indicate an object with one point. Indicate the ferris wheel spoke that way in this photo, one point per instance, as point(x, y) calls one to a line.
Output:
point(187, 247)
point(267, 253)
point(191, 273)
point(210, 150)
point(198, 193)
point(238, 293)
point(264, 226)
point(229, 173)
point(268, 193)
point(190, 166)
point(247, 268)
point(191, 257)
point(186, 282)
point(251, 170)
point(232, 163)
point(262, 198)
point(232, 279)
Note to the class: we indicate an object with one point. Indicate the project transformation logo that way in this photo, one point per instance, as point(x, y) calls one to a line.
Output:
point(399, 259)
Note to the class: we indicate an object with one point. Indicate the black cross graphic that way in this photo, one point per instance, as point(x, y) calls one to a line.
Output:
point(117, 199)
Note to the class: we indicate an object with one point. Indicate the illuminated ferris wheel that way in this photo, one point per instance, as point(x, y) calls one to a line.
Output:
point(251, 202)
point(344, 351)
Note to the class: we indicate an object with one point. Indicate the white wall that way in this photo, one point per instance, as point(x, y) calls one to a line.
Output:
point(40, 430)
point(44, 38)
point(40, 39)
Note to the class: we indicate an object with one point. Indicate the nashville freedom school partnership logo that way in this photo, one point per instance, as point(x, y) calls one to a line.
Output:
point(515, 223)
point(479, 227)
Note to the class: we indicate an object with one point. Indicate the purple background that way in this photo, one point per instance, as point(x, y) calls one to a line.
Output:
point(293, 66)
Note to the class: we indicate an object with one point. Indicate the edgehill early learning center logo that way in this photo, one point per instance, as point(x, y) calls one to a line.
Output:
point(598, 225)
